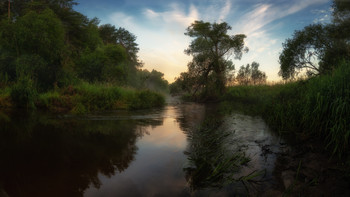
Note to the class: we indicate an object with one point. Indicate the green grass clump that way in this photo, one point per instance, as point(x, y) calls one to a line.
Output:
point(146, 99)
point(55, 101)
point(87, 97)
point(97, 96)
point(327, 108)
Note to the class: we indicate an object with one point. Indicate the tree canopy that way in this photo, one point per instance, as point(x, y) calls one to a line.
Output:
point(318, 48)
point(211, 49)
point(48, 43)
point(251, 75)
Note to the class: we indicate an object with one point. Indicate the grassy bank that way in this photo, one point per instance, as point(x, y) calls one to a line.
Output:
point(317, 107)
point(81, 98)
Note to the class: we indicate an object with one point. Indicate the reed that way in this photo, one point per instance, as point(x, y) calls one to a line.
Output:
point(318, 107)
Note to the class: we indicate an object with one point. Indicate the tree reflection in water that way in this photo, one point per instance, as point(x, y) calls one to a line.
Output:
point(51, 157)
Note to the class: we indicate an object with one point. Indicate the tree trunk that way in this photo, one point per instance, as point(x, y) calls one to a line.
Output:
point(9, 9)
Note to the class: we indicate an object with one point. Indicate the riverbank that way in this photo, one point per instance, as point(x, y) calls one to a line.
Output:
point(306, 169)
point(314, 115)
point(317, 107)
point(83, 98)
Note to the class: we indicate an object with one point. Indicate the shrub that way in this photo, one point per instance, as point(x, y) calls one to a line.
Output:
point(23, 93)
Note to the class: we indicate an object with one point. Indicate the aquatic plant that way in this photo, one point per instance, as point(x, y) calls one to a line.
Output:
point(211, 162)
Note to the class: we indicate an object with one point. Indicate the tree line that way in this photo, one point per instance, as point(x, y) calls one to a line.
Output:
point(48, 44)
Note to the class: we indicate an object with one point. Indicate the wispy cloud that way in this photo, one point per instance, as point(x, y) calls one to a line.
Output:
point(225, 10)
point(264, 14)
point(259, 24)
point(323, 16)
point(175, 15)
point(162, 41)
point(150, 14)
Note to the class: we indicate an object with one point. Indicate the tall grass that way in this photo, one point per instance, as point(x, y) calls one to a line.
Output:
point(319, 106)
point(81, 98)
point(5, 99)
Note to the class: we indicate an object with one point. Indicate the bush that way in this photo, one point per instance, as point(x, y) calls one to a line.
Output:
point(146, 99)
point(98, 97)
point(23, 93)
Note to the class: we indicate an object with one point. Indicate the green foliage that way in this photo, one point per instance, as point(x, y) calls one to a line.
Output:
point(127, 40)
point(115, 68)
point(41, 34)
point(107, 63)
point(211, 48)
point(318, 49)
point(34, 44)
point(153, 80)
point(327, 108)
point(303, 51)
point(90, 64)
point(87, 97)
point(146, 99)
point(23, 92)
point(98, 97)
point(36, 67)
point(316, 107)
point(121, 36)
point(53, 48)
point(107, 33)
point(251, 74)
point(183, 84)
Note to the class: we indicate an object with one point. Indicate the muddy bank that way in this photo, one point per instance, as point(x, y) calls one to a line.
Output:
point(306, 169)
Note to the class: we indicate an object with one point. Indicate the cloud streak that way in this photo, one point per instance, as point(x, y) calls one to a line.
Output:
point(162, 41)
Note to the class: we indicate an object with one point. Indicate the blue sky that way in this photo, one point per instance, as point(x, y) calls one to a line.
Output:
point(159, 26)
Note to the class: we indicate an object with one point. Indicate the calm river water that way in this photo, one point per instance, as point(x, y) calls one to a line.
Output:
point(138, 153)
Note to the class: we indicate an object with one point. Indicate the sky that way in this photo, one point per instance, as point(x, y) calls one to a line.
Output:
point(159, 26)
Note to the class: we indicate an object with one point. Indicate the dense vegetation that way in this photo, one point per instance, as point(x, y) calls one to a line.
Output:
point(209, 69)
point(318, 106)
point(55, 57)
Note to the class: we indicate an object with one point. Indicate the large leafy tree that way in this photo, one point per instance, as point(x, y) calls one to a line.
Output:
point(318, 49)
point(304, 52)
point(108, 33)
point(211, 48)
point(128, 41)
point(111, 35)
point(33, 45)
point(19, 7)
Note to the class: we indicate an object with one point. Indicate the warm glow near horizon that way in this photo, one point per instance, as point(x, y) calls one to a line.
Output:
point(160, 27)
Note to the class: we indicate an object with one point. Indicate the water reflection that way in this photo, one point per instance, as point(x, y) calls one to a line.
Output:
point(180, 150)
point(226, 151)
point(157, 170)
point(46, 156)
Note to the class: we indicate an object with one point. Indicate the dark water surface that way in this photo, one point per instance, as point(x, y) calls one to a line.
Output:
point(119, 153)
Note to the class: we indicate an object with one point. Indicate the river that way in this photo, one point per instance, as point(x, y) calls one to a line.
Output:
point(160, 152)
